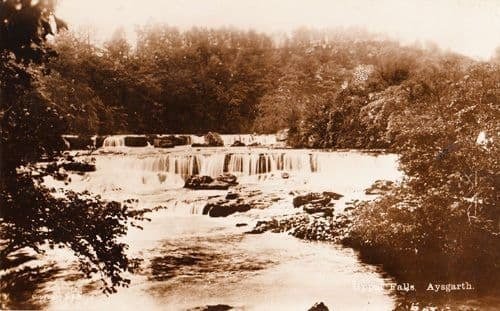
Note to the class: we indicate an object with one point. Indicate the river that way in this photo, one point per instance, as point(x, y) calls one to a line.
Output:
point(191, 260)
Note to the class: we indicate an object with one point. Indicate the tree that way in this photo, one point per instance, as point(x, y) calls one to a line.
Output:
point(447, 209)
point(31, 126)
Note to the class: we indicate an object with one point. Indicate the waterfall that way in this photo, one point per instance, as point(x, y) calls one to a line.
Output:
point(262, 163)
point(216, 163)
point(195, 139)
point(246, 163)
point(150, 171)
point(247, 139)
point(114, 141)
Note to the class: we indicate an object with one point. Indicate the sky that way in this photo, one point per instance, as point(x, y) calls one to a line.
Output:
point(470, 27)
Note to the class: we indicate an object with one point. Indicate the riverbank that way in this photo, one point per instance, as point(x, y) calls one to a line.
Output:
point(421, 280)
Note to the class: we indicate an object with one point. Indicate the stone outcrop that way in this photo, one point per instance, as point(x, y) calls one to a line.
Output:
point(228, 178)
point(238, 144)
point(222, 182)
point(318, 208)
point(77, 166)
point(170, 141)
point(135, 141)
point(308, 227)
point(213, 139)
point(163, 142)
point(316, 198)
point(238, 200)
point(232, 195)
point(380, 187)
point(224, 208)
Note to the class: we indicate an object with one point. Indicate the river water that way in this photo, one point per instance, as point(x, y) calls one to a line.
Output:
point(191, 260)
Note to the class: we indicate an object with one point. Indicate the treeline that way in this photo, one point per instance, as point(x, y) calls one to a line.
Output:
point(171, 82)
point(314, 82)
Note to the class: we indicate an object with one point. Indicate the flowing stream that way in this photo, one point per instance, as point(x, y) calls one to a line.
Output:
point(191, 260)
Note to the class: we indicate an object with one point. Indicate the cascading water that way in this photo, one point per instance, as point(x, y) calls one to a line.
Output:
point(247, 139)
point(195, 139)
point(150, 172)
point(114, 141)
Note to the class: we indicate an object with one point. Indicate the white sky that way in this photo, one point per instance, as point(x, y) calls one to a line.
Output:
point(470, 27)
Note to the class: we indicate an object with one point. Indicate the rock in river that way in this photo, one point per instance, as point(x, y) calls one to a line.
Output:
point(222, 182)
point(213, 139)
point(238, 144)
point(78, 166)
point(223, 208)
point(318, 208)
point(380, 187)
point(135, 141)
point(169, 141)
point(315, 198)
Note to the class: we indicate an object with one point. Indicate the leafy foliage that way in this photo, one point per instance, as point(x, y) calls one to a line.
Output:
point(31, 127)
point(33, 217)
point(445, 124)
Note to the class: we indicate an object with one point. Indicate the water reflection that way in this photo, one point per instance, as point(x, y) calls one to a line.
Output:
point(23, 288)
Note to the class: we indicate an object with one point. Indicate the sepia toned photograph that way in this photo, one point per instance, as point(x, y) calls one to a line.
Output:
point(213, 155)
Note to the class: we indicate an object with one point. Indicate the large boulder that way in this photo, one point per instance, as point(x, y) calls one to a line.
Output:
point(222, 182)
point(232, 196)
point(228, 179)
point(170, 141)
point(315, 198)
point(77, 166)
point(224, 208)
point(163, 142)
point(213, 139)
point(311, 198)
point(135, 141)
point(181, 140)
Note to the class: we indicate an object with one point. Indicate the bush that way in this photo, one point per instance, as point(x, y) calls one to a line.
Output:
point(445, 217)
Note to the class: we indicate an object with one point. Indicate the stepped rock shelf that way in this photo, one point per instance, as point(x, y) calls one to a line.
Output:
point(211, 139)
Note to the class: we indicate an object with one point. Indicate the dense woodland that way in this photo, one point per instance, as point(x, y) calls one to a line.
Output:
point(331, 88)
